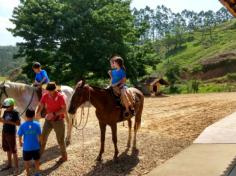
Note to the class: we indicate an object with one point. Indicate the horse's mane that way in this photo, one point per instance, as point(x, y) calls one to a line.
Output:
point(17, 84)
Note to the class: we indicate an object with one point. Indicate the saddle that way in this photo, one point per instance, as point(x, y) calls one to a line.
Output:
point(116, 97)
point(116, 93)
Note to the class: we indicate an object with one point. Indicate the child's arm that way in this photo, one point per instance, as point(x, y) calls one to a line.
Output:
point(44, 78)
point(40, 138)
point(20, 141)
point(109, 73)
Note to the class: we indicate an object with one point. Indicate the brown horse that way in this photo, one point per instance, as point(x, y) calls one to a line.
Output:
point(107, 111)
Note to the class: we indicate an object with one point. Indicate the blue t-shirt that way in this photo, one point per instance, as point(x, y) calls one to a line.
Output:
point(30, 130)
point(117, 75)
point(42, 74)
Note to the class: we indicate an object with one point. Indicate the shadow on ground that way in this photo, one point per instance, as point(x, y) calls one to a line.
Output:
point(53, 152)
point(125, 164)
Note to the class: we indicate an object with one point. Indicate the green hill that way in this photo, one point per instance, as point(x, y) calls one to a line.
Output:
point(8, 64)
point(210, 61)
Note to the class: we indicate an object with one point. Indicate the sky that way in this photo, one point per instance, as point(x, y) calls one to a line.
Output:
point(7, 6)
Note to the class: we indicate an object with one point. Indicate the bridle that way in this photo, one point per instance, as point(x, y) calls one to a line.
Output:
point(3, 90)
point(78, 127)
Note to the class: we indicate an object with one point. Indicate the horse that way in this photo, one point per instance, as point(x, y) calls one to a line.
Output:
point(26, 97)
point(107, 112)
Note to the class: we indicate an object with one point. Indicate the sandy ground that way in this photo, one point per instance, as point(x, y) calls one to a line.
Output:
point(169, 125)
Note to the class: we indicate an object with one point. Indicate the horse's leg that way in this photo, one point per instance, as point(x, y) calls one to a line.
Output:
point(103, 133)
point(69, 120)
point(130, 133)
point(137, 124)
point(114, 139)
point(135, 135)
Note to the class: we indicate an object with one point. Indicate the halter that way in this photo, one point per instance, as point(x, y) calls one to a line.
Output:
point(3, 91)
point(82, 114)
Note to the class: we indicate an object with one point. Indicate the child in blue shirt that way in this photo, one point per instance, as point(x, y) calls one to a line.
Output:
point(41, 76)
point(118, 79)
point(31, 133)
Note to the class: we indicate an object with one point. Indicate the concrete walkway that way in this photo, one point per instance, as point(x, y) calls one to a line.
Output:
point(221, 132)
point(212, 154)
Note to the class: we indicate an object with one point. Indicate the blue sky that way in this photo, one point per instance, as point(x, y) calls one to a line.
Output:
point(7, 6)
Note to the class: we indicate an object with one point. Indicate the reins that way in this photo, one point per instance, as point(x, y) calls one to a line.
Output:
point(82, 116)
point(81, 119)
point(4, 92)
point(31, 99)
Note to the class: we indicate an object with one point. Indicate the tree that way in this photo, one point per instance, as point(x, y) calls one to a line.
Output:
point(74, 38)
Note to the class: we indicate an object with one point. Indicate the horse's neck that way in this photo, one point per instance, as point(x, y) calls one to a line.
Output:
point(16, 90)
point(20, 92)
point(99, 98)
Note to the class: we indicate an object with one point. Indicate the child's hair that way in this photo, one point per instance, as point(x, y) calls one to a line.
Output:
point(36, 65)
point(30, 113)
point(119, 60)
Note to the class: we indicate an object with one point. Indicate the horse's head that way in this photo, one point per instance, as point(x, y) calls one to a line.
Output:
point(80, 96)
point(3, 93)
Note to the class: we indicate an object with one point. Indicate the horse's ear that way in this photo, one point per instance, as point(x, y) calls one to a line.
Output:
point(81, 83)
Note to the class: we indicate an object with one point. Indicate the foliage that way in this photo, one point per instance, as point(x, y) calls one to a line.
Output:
point(8, 64)
point(75, 38)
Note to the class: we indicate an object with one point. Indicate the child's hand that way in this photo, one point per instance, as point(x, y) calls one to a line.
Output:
point(109, 72)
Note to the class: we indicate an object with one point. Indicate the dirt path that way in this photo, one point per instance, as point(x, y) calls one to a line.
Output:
point(169, 125)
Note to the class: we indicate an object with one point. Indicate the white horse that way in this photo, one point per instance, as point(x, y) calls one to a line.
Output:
point(26, 97)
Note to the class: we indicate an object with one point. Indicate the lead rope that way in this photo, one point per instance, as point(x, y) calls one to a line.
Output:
point(82, 129)
point(31, 99)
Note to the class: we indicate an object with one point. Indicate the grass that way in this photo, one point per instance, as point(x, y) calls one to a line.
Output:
point(203, 88)
point(224, 41)
point(3, 78)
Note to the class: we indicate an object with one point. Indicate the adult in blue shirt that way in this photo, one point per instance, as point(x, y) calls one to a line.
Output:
point(30, 131)
point(41, 76)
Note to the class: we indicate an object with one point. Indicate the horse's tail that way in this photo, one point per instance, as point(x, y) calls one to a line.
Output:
point(139, 111)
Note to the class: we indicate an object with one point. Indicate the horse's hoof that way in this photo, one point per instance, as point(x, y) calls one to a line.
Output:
point(98, 159)
point(68, 143)
point(115, 159)
point(134, 149)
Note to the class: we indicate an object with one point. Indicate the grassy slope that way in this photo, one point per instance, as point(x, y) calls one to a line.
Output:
point(195, 52)
point(224, 40)
point(2, 78)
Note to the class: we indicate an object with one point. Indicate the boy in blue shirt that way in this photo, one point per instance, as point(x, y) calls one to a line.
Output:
point(41, 76)
point(31, 132)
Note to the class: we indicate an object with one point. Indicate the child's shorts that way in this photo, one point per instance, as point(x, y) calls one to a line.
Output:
point(31, 155)
point(9, 142)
